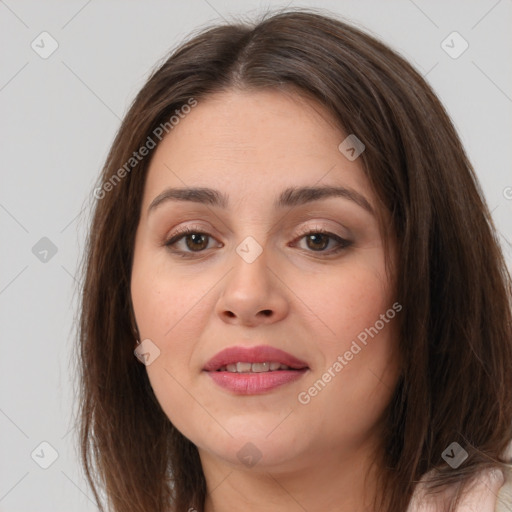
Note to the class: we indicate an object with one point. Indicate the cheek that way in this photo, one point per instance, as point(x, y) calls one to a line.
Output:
point(345, 398)
point(162, 298)
point(169, 309)
point(166, 313)
point(354, 381)
point(345, 302)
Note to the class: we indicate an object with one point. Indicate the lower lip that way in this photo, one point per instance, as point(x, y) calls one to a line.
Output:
point(255, 383)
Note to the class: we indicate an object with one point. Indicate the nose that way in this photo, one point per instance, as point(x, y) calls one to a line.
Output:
point(253, 293)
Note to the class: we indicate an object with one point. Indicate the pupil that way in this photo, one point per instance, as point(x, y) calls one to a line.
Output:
point(196, 238)
point(318, 235)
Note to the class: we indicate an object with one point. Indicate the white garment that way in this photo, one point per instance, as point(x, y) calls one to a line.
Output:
point(491, 493)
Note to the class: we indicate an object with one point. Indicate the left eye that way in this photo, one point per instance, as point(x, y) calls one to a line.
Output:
point(196, 241)
point(318, 240)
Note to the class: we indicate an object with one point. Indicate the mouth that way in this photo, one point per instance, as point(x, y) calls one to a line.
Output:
point(246, 367)
point(254, 370)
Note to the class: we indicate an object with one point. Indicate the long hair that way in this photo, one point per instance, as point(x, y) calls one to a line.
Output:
point(455, 331)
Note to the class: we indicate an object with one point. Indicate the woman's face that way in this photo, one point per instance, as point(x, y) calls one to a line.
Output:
point(248, 276)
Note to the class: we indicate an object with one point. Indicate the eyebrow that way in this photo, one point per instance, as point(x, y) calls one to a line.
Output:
point(290, 197)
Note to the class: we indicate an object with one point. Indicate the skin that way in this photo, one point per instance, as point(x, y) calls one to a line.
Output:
point(251, 146)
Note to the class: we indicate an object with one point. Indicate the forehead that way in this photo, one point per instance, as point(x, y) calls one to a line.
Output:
point(253, 144)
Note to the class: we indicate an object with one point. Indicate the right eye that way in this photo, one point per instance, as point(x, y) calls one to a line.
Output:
point(196, 241)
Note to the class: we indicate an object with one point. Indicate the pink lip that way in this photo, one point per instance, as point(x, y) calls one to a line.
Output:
point(258, 354)
point(254, 383)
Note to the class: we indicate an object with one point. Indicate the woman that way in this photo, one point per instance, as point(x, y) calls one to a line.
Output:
point(289, 236)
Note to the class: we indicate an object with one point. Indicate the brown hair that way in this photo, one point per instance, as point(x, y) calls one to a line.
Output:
point(455, 335)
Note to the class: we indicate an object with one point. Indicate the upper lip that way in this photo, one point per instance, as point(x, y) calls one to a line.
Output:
point(258, 354)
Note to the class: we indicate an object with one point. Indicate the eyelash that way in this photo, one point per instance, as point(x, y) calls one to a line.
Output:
point(189, 230)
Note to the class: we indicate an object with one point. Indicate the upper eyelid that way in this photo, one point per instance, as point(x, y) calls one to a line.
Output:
point(316, 222)
point(205, 231)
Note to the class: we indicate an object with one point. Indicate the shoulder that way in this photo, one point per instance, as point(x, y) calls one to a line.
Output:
point(504, 500)
point(491, 491)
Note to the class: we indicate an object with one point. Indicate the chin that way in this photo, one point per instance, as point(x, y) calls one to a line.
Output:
point(252, 446)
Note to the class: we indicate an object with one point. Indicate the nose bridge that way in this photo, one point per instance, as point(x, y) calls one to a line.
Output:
point(250, 250)
point(251, 289)
point(250, 270)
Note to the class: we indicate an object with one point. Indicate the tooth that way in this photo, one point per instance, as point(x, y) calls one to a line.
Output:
point(260, 367)
point(243, 367)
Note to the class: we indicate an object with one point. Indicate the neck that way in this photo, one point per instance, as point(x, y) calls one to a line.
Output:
point(326, 482)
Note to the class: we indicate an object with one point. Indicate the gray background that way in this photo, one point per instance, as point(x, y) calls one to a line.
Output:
point(58, 119)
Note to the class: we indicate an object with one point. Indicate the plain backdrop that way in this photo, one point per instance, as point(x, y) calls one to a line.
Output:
point(59, 114)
